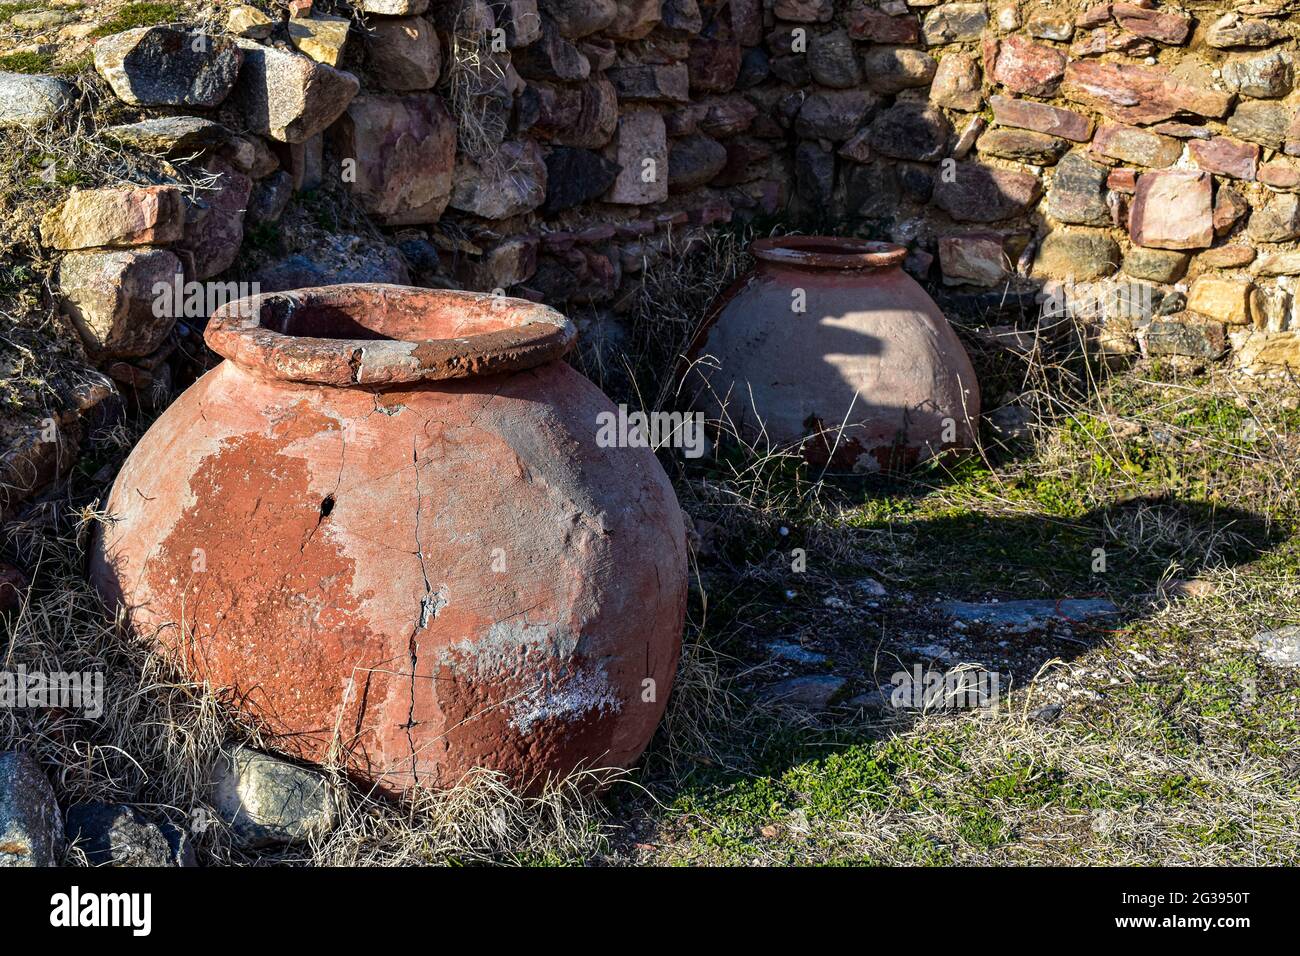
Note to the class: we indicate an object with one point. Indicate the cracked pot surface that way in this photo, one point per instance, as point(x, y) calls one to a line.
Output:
point(442, 573)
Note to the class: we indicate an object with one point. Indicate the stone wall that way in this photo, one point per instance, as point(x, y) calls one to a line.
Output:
point(1126, 158)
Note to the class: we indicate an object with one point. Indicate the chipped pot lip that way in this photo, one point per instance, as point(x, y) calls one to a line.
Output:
point(539, 335)
point(828, 252)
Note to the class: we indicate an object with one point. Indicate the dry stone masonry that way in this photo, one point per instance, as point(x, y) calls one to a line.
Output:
point(554, 149)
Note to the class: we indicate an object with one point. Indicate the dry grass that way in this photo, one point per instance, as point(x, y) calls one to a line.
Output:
point(1169, 740)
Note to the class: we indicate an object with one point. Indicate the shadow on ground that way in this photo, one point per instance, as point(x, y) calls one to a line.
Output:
point(884, 609)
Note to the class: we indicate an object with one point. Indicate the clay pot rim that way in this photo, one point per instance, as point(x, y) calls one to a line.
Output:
point(532, 335)
point(828, 252)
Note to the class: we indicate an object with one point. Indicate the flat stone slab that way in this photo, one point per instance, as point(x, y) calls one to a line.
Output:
point(1023, 616)
point(790, 651)
point(807, 693)
point(1281, 646)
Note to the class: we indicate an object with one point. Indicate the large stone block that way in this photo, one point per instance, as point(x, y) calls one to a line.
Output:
point(581, 116)
point(113, 299)
point(164, 66)
point(147, 215)
point(893, 69)
point(1173, 209)
point(651, 82)
point(1129, 144)
point(575, 176)
point(32, 101)
point(1077, 254)
point(552, 57)
point(288, 96)
point(914, 131)
point(634, 19)
point(214, 224)
point(978, 193)
point(957, 83)
point(1023, 66)
point(404, 149)
point(1224, 299)
point(1077, 194)
point(1140, 94)
point(404, 51)
point(510, 182)
point(974, 259)
point(954, 23)
point(31, 827)
point(834, 114)
point(1039, 117)
point(1020, 145)
point(640, 149)
point(1278, 220)
point(579, 18)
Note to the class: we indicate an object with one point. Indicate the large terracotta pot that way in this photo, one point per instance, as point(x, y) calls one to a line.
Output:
point(828, 347)
point(385, 522)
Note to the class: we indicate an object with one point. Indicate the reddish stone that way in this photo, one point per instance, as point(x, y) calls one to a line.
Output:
point(1226, 156)
point(1111, 40)
point(1229, 207)
point(404, 148)
point(1172, 210)
point(351, 579)
point(1227, 257)
point(1170, 28)
point(1096, 16)
point(584, 116)
point(1122, 180)
point(213, 236)
point(1139, 94)
point(1041, 118)
point(1181, 130)
point(1279, 175)
point(867, 23)
point(1021, 65)
point(714, 63)
point(133, 216)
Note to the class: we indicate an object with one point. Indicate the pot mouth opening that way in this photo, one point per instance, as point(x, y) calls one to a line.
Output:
point(374, 334)
point(828, 252)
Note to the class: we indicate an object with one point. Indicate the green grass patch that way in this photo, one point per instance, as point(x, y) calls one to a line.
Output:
point(7, 10)
point(27, 62)
point(135, 15)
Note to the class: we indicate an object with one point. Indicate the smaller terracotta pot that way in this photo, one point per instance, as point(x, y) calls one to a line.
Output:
point(829, 348)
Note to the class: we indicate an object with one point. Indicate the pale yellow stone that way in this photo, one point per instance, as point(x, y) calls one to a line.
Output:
point(1227, 300)
point(249, 22)
point(321, 37)
point(1264, 353)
